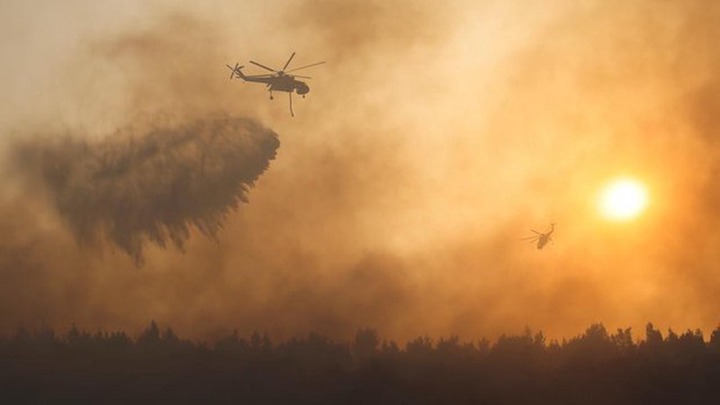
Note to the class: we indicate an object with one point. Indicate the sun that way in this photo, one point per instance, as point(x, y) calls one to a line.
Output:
point(623, 199)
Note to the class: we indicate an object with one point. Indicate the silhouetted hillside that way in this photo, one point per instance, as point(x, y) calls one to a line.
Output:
point(158, 366)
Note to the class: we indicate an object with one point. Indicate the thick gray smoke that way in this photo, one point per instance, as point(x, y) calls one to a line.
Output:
point(153, 185)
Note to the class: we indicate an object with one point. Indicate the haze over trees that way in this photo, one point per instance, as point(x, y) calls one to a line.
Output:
point(598, 366)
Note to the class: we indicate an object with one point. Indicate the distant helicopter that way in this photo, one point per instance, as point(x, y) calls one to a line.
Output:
point(279, 80)
point(541, 238)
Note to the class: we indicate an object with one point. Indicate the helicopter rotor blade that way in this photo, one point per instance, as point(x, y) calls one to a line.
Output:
point(302, 77)
point(288, 62)
point(306, 66)
point(529, 238)
point(263, 66)
point(536, 232)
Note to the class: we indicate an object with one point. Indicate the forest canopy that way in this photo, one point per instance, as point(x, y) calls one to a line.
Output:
point(595, 367)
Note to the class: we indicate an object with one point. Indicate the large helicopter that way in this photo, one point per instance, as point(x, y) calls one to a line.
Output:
point(278, 80)
point(542, 238)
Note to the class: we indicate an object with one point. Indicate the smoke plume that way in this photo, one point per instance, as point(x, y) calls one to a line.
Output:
point(152, 186)
point(432, 140)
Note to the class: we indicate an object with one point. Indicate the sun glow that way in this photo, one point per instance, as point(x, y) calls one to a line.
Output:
point(623, 199)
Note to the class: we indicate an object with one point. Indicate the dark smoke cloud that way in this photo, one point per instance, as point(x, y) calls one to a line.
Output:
point(152, 186)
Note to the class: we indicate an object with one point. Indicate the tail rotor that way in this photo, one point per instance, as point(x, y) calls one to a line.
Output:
point(235, 71)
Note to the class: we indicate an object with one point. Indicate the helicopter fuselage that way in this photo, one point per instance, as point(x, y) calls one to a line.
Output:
point(278, 80)
point(286, 83)
point(541, 238)
point(544, 238)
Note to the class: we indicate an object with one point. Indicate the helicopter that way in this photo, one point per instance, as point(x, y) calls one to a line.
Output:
point(278, 80)
point(541, 238)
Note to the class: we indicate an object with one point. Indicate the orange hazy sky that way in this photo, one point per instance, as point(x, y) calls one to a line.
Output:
point(431, 142)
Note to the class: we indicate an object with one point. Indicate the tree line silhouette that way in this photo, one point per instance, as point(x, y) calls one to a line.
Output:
point(41, 366)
